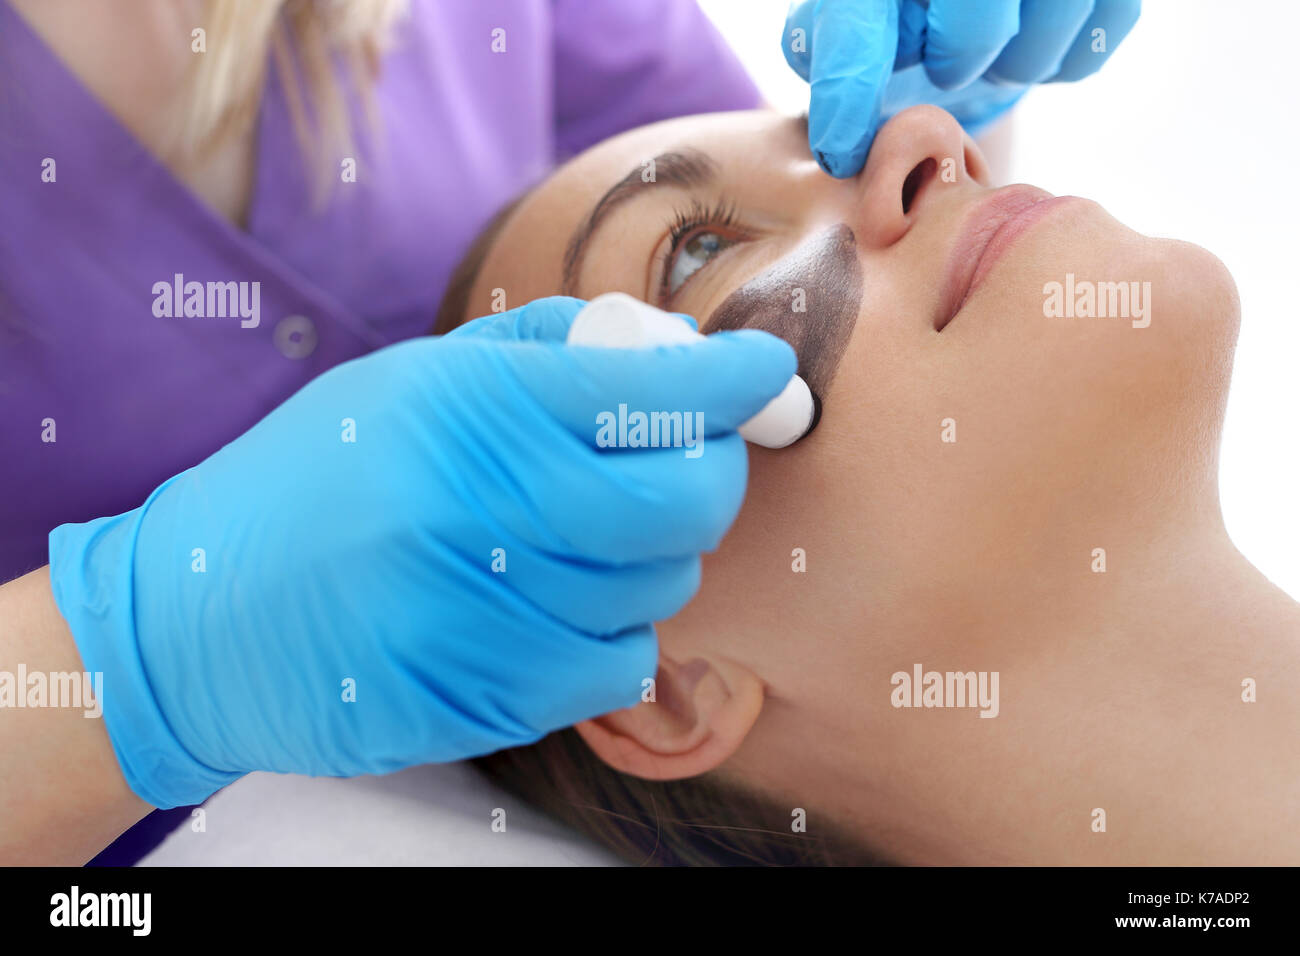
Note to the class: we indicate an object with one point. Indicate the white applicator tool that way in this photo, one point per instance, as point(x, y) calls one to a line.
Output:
point(618, 321)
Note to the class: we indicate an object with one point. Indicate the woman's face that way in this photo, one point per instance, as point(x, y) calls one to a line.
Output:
point(976, 446)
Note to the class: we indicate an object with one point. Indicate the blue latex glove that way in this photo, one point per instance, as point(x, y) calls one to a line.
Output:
point(984, 54)
point(372, 561)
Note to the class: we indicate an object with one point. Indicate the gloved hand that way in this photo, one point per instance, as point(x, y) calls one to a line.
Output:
point(986, 52)
point(472, 567)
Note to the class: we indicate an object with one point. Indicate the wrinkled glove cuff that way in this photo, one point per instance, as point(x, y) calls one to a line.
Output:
point(92, 572)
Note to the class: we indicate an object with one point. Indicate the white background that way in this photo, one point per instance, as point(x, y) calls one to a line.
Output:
point(1189, 131)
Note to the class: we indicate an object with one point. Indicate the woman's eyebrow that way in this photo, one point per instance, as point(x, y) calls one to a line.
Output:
point(690, 168)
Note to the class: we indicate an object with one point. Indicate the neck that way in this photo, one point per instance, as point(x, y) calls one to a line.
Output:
point(1126, 693)
point(1125, 700)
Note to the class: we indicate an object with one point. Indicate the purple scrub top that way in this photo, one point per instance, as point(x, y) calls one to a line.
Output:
point(130, 397)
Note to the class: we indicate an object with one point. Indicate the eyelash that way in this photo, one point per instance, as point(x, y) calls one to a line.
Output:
point(722, 213)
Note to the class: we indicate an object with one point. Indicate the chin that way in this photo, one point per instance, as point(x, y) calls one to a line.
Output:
point(1119, 305)
point(1159, 382)
point(1205, 294)
point(1066, 370)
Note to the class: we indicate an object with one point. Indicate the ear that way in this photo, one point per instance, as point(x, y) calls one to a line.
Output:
point(702, 711)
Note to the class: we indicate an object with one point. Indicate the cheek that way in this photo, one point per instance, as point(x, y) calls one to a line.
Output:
point(775, 593)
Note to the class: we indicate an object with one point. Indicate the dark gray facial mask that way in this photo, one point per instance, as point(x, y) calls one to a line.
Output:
point(823, 278)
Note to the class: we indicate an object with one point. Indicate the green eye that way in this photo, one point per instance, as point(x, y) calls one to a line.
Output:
point(692, 255)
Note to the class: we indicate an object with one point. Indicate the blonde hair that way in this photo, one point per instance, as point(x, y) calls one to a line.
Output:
point(306, 39)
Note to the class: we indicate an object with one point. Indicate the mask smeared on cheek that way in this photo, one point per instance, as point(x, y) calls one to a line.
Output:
point(823, 278)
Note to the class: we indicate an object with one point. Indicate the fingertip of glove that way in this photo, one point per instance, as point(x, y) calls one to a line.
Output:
point(839, 134)
point(761, 355)
point(562, 307)
point(639, 647)
point(950, 76)
point(843, 165)
point(761, 343)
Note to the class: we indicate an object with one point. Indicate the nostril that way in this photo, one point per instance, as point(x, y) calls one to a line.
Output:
point(917, 178)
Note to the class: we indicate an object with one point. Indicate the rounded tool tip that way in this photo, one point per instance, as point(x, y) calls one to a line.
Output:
point(785, 419)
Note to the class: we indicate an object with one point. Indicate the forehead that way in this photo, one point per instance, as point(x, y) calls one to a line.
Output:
point(527, 258)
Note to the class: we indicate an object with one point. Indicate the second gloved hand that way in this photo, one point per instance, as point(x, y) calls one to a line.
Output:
point(973, 57)
point(421, 556)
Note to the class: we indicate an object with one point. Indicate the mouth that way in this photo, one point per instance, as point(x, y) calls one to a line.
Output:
point(987, 232)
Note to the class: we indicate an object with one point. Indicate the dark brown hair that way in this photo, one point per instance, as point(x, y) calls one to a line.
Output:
point(455, 300)
point(699, 821)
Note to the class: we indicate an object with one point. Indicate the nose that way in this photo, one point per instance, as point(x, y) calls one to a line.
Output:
point(916, 155)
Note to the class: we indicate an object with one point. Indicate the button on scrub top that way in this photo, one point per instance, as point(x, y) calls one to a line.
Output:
point(130, 398)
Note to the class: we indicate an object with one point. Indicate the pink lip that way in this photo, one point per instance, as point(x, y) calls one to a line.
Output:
point(989, 231)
